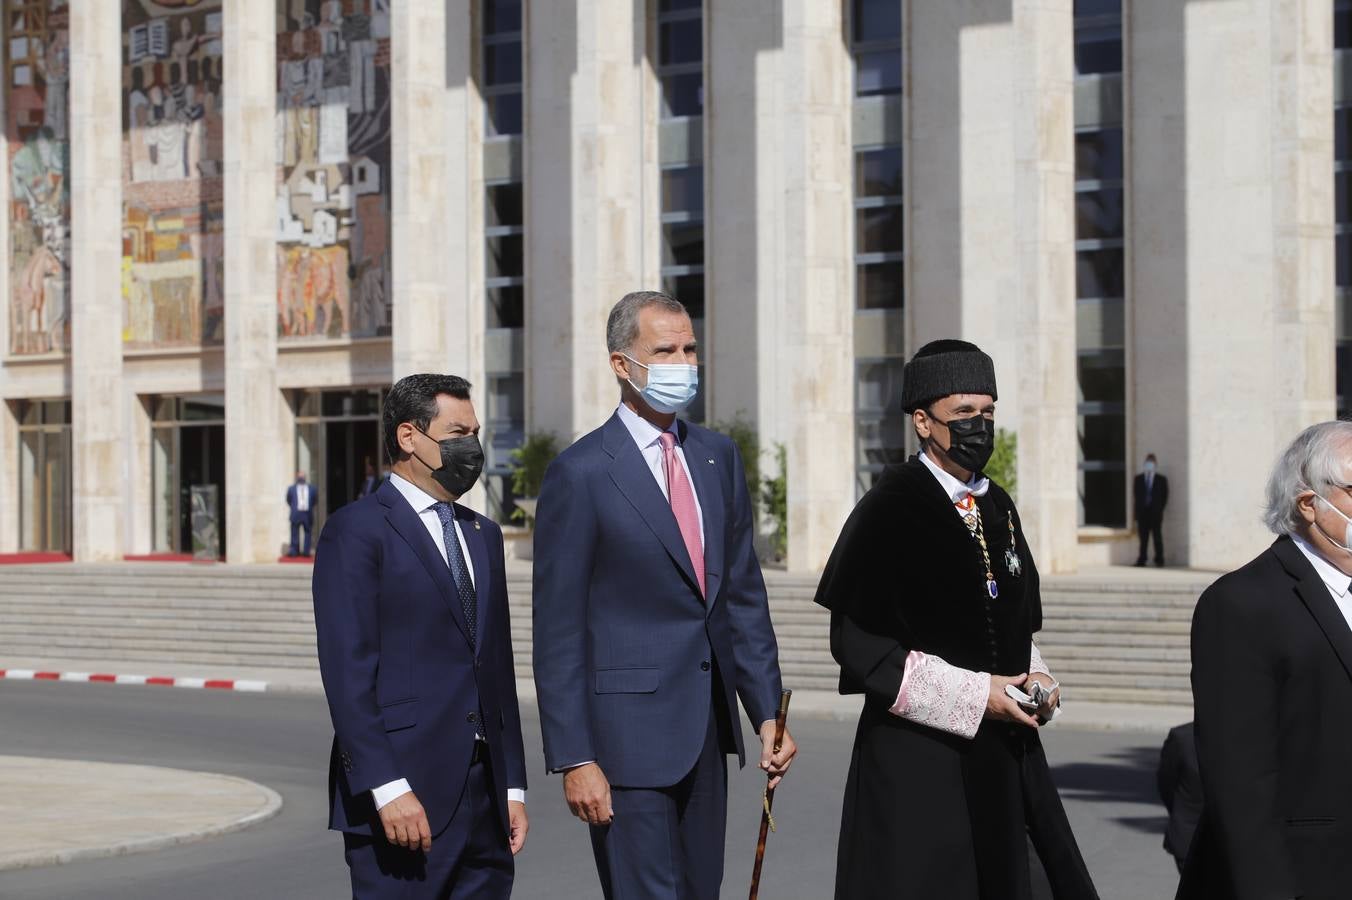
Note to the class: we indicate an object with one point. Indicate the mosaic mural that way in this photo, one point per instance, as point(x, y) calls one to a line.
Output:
point(333, 151)
point(173, 279)
point(37, 97)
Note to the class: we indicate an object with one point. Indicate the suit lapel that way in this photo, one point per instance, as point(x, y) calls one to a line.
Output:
point(630, 473)
point(709, 489)
point(408, 526)
point(1314, 593)
point(483, 576)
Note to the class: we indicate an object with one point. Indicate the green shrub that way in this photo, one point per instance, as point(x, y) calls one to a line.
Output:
point(775, 498)
point(1003, 468)
point(743, 434)
point(529, 462)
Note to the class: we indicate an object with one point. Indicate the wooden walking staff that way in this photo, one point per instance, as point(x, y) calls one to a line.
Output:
point(767, 821)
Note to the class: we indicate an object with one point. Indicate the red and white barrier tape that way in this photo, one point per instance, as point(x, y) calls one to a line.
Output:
point(222, 684)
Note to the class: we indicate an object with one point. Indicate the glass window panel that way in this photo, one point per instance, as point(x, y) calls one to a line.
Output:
point(351, 403)
point(1093, 8)
point(1102, 377)
point(879, 285)
point(683, 244)
point(502, 63)
point(1098, 51)
point(1098, 155)
point(504, 114)
point(504, 206)
point(164, 489)
point(502, 16)
point(30, 514)
point(1098, 214)
point(1342, 27)
point(881, 441)
point(683, 190)
point(666, 6)
point(877, 72)
point(507, 307)
point(506, 398)
point(1099, 273)
point(1343, 355)
point(680, 42)
point(1342, 133)
point(1104, 498)
point(878, 229)
point(689, 289)
point(878, 386)
point(1342, 197)
point(877, 173)
point(1103, 437)
point(505, 256)
point(877, 20)
point(55, 412)
point(683, 95)
point(204, 408)
point(1343, 264)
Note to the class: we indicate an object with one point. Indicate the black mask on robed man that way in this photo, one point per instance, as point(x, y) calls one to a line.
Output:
point(462, 461)
point(970, 441)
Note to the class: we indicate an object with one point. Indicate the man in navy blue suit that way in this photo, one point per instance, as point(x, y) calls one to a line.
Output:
point(651, 620)
point(427, 774)
point(300, 498)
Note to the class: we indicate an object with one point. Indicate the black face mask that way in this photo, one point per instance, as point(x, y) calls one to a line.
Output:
point(970, 441)
point(462, 460)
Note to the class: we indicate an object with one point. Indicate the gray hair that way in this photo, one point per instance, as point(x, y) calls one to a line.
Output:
point(622, 325)
point(1320, 458)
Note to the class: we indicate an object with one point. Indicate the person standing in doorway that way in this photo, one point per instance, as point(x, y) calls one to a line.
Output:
point(1150, 493)
point(301, 497)
point(368, 484)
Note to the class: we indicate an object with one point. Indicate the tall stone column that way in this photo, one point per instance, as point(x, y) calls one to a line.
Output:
point(815, 370)
point(991, 254)
point(9, 474)
point(421, 226)
point(586, 168)
point(96, 263)
point(254, 474)
point(1230, 242)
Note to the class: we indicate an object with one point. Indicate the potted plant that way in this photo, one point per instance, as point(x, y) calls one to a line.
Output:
point(528, 465)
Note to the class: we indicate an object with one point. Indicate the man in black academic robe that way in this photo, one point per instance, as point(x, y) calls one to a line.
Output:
point(934, 600)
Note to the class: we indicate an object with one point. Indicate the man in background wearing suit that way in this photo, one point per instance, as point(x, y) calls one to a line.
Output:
point(1151, 493)
point(427, 774)
point(1272, 687)
point(301, 498)
point(651, 620)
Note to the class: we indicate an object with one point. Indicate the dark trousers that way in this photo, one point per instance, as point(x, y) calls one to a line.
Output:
point(1145, 529)
point(667, 843)
point(469, 860)
point(308, 524)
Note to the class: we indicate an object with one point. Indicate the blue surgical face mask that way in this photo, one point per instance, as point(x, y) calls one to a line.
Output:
point(671, 386)
point(1150, 468)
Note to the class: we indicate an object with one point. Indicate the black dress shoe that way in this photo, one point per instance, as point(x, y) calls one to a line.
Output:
point(1140, 563)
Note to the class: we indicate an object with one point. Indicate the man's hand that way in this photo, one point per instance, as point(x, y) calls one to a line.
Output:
point(520, 824)
point(406, 823)
point(1044, 712)
point(588, 794)
point(776, 764)
point(1001, 707)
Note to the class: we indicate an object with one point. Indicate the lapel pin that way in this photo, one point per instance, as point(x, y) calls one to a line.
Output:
point(711, 462)
point(476, 525)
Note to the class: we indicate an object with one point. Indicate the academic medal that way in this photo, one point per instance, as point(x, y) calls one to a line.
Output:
point(1012, 563)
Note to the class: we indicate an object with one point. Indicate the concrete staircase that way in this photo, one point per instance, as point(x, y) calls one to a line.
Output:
point(1112, 635)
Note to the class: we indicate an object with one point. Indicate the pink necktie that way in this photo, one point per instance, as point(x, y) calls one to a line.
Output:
point(683, 505)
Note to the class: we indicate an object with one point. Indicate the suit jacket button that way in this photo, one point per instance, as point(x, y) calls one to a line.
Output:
point(704, 666)
point(472, 718)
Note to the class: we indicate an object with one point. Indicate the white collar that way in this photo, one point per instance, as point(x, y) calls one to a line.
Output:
point(956, 490)
point(1330, 574)
point(420, 500)
point(645, 433)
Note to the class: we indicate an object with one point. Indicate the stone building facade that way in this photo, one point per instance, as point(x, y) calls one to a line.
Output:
point(233, 223)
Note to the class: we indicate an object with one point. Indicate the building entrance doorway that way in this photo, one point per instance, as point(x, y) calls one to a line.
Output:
point(338, 445)
point(44, 476)
point(188, 474)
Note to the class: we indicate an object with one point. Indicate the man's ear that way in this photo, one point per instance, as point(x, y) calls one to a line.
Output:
point(620, 366)
point(920, 422)
point(1306, 505)
point(406, 435)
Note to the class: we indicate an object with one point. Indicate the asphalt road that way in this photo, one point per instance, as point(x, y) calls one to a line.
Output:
point(1106, 779)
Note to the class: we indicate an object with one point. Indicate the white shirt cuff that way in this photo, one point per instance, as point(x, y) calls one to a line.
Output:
point(1035, 663)
point(516, 794)
point(387, 792)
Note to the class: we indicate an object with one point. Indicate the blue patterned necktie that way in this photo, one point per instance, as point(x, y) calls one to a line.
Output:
point(455, 558)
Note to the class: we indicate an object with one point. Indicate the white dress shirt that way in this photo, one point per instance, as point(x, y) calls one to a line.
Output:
point(1333, 577)
point(302, 496)
point(649, 439)
point(423, 503)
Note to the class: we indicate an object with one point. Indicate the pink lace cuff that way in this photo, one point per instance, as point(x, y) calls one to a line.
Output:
point(942, 696)
point(1035, 663)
